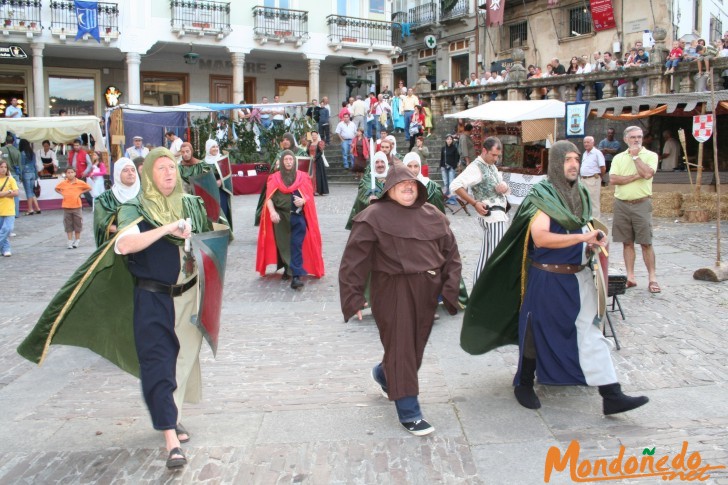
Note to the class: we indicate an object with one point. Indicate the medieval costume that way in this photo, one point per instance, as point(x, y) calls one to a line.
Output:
point(150, 333)
point(221, 165)
point(556, 325)
point(366, 190)
point(193, 168)
point(360, 153)
point(317, 168)
point(413, 257)
point(106, 204)
point(294, 243)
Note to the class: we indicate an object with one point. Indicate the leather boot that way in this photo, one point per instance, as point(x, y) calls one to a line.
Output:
point(615, 401)
point(296, 283)
point(525, 395)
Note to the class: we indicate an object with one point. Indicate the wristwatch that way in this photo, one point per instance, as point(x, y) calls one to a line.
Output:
point(635, 157)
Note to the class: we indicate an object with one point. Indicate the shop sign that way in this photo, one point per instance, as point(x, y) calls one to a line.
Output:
point(12, 52)
point(603, 15)
point(220, 65)
point(112, 95)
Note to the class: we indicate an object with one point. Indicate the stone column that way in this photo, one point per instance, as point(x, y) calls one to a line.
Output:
point(386, 75)
point(133, 83)
point(314, 69)
point(238, 60)
point(39, 96)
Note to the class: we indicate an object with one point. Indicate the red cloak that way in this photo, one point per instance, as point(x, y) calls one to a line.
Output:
point(313, 261)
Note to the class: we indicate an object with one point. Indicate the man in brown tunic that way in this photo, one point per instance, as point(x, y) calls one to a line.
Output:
point(407, 246)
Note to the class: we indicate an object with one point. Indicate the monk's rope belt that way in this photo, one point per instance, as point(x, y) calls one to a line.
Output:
point(171, 290)
point(559, 268)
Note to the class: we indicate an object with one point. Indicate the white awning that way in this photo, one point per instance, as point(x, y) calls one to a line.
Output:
point(513, 111)
point(59, 129)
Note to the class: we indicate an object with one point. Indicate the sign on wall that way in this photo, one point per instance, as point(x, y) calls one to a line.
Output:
point(575, 119)
point(12, 52)
point(603, 15)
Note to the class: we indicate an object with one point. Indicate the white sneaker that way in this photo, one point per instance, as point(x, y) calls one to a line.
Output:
point(12, 234)
point(7, 254)
point(70, 244)
point(75, 243)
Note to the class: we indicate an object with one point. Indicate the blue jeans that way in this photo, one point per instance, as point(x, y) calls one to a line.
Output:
point(371, 127)
point(298, 233)
point(29, 184)
point(7, 223)
point(347, 158)
point(408, 408)
point(448, 175)
point(17, 205)
point(407, 119)
point(672, 63)
point(266, 122)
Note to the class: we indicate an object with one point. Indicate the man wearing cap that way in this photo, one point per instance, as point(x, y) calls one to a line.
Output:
point(137, 149)
point(405, 246)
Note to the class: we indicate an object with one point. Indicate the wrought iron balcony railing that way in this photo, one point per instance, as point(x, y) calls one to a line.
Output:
point(399, 17)
point(280, 23)
point(459, 10)
point(422, 15)
point(369, 33)
point(200, 17)
point(63, 18)
point(21, 16)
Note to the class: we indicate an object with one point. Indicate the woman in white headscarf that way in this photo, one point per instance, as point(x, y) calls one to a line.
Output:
point(223, 175)
point(126, 187)
point(434, 193)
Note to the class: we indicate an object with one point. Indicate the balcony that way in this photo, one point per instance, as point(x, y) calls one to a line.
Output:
point(281, 25)
point(422, 16)
point(64, 23)
point(459, 11)
point(20, 16)
point(190, 17)
point(364, 33)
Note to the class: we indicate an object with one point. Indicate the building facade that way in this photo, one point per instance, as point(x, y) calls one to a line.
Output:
point(173, 52)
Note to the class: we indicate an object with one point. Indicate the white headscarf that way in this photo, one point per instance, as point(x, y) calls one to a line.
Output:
point(393, 141)
point(211, 159)
point(413, 157)
point(383, 157)
point(122, 192)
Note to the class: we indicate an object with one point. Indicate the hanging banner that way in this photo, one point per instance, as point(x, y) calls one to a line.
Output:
point(495, 12)
point(702, 127)
point(603, 15)
point(575, 119)
point(87, 19)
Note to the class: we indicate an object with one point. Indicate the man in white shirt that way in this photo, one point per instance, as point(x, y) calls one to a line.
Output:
point(593, 169)
point(138, 149)
point(409, 103)
point(346, 130)
point(279, 112)
point(13, 110)
point(443, 85)
point(359, 113)
point(175, 145)
point(488, 197)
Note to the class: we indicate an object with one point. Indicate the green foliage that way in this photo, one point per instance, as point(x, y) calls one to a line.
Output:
point(447, 5)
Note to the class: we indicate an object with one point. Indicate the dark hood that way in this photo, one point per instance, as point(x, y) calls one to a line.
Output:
point(569, 191)
point(397, 173)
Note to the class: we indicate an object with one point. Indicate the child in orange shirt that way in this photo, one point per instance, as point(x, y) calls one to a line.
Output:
point(71, 189)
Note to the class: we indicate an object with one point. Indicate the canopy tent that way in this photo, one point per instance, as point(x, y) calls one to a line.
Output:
point(513, 111)
point(199, 107)
point(59, 129)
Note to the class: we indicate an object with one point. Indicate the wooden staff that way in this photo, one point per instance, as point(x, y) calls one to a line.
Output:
point(714, 110)
point(681, 136)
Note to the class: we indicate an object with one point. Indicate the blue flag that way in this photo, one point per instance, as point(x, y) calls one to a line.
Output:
point(87, 19)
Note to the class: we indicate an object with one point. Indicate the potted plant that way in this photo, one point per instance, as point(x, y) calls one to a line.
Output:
point(8, 22)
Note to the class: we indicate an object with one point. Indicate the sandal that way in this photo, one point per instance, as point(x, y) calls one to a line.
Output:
point(177, 462)
point(631, 284)
point(180, 430)
point(654, 287)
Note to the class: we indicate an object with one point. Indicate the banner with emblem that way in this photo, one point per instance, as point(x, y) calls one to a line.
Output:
point(702, 127)
point(495, 12)
point(210, 251)
point(87, 19)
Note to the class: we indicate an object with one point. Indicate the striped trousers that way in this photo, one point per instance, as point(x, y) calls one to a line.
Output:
point(492, 234)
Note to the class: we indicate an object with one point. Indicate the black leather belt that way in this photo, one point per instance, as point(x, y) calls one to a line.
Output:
point(171, 290)
point(496, 208)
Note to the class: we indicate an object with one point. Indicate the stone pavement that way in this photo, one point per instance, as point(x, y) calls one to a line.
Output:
point(289, 400)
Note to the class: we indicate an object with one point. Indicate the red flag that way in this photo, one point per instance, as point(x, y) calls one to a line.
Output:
point(495, 12)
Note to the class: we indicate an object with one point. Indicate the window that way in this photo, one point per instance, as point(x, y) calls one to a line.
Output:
point(292, 91)
point(162, 89)
point(75, 94)
point(696, 16)
point(517, 34)
point(376, 6)
point(580, 21)
point(716, 28)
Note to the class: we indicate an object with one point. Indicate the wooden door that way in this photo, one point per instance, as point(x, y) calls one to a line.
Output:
point(221, 89)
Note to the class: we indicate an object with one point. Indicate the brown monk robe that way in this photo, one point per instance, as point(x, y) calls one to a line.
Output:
point(407, 246)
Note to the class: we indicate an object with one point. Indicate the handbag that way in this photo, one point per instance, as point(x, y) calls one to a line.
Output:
point(414, 129)
point(36, 189)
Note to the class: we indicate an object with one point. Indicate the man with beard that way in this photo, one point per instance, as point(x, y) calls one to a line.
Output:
point(367, 193)
point(289, 233)
point(408, 248)
point(190, 166)
point(126, 187)
point(555, 323)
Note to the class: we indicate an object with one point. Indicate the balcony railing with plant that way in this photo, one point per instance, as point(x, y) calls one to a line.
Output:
point(454, 9)
point(280, 23)
point(370, 33)
point(63, 18)
point(198, 16)
point(21, 15)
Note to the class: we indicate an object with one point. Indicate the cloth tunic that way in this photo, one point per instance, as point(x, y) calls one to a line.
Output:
point(570, 348)
point(318, 169)
point(411, 263)
point(105, 207)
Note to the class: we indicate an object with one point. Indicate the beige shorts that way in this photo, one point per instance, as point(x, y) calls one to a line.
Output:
point(72, 220)
point(632, 222)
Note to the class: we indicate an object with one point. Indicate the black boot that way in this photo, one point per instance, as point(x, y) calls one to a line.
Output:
point(524, 392)
point(296, 283)
point(615, 401)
